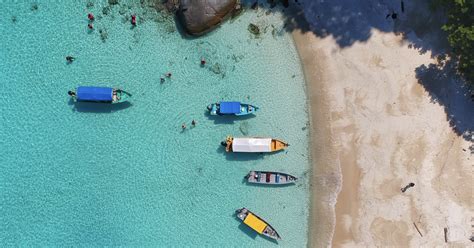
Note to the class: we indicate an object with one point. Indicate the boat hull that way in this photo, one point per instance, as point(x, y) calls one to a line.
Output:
point(270, 178)
point(245, 109)
point(123, 96)
point(257, 223)
point(254, 145)
point(114, 95)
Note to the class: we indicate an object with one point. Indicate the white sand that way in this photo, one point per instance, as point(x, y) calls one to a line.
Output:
point(375, 124)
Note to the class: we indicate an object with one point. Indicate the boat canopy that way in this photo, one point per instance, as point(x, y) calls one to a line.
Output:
point(101, 94)
point(251, 145)
point(229, 107)
point(255, 223)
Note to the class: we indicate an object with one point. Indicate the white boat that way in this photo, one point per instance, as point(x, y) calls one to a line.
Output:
point(253, 144)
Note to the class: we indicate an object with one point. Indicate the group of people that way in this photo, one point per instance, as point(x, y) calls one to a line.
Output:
point(183, 127)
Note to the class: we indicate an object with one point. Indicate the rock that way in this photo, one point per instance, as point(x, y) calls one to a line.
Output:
point(172, 5)
point(103, 34)
point(216, 68)
point(254, 5)
point(199, 17)
point(106, 10)
point(254, 29)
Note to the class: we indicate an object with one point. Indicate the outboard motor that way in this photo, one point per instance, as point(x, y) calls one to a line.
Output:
point(71, 93)
point(223, 143)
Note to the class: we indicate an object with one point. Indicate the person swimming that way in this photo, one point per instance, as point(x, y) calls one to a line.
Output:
point(90, 26)
point(203, 62)
point(134, 20)
point(90, 16)
point(70, 59)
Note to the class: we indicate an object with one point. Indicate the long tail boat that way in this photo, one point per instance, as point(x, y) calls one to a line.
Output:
point(268, 177)
point(231, 108)
point(257, 223)
point(253, 144)
point(99, 94)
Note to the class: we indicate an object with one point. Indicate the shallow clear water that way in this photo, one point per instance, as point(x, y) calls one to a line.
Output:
point(126, 174)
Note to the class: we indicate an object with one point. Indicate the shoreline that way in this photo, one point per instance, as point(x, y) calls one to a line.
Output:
point(325, 183)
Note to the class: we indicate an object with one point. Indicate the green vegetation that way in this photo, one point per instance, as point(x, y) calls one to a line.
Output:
point(460, 29)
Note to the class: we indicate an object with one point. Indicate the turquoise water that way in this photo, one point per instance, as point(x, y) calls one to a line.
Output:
point(128, 175)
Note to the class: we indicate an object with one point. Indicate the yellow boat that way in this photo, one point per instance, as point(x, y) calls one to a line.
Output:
point(253, 144)
point(257, 224)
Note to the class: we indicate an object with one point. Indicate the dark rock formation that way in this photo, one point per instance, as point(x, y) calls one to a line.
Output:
point(254, 29)
point(200, 16)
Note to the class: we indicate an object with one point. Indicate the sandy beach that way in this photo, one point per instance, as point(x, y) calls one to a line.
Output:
point(385, 113)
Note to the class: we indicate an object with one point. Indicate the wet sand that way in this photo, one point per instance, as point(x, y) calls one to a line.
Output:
point(325, 177)
point(376, 126)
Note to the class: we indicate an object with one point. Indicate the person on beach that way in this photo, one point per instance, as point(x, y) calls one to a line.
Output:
point(91, 17)
point(407, 187)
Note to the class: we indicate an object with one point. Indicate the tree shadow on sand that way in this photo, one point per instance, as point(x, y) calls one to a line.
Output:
point(448, 90)
point(349, 22)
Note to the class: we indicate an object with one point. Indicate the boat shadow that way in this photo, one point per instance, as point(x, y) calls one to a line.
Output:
point(239, 156)
point(91, 107)
point(227, 119)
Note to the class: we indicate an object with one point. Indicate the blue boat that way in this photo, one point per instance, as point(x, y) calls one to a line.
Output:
point(99, 94)
point(231, 108)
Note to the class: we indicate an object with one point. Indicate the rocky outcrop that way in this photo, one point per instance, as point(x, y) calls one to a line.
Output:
point(200, 16)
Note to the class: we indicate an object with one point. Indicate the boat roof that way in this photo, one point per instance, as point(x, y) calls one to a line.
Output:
point(251, 145)
point(87, 93)
point(229, 107)
point(255, 223)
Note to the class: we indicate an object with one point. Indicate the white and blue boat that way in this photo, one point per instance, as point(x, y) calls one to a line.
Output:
point(231, 108)
point(99, 94)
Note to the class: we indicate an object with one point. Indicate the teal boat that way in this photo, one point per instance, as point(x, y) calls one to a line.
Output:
point(99, 94)
point(231, 108)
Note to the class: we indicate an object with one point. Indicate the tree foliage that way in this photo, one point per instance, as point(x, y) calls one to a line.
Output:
point(460, 29)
